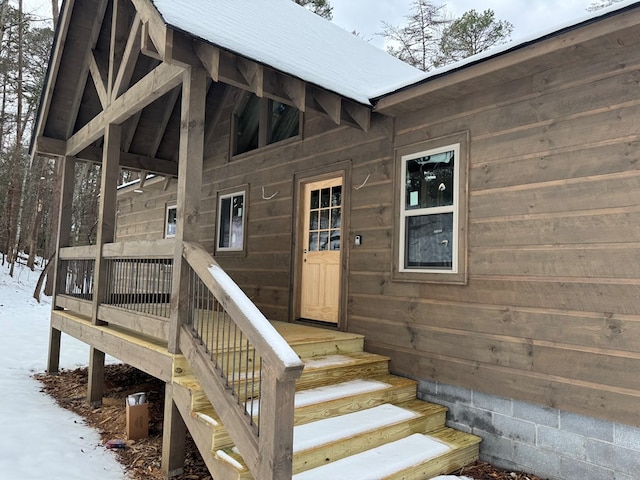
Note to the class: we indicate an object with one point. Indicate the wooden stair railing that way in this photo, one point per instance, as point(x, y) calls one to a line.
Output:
point(245, 367)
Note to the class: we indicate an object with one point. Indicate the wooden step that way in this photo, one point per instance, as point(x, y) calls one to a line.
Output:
point(352, 396)
point(327, 369)
point(416, 457)
point(313, 342)
point(323, 402)
point(328, 440)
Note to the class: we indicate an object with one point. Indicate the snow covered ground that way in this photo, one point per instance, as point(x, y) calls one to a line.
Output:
point(38, 439)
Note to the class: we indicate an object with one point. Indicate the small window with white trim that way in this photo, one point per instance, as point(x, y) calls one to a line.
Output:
point(170, 221)
point(231, 222)
point(431, 243)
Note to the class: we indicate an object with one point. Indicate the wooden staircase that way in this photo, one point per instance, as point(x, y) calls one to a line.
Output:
point(353, 420)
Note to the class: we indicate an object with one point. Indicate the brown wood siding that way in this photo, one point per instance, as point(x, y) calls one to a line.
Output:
point(551, 312)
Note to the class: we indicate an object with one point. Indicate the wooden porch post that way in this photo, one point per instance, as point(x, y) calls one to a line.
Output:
point(63, 240)
point(194, 91)
point(174, 432)
point(106, 234)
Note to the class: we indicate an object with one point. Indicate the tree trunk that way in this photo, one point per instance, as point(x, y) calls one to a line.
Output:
point(55, 10)
point(47, 272)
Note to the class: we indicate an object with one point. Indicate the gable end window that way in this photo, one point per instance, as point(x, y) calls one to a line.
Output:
point(431, 230)
point(231, 222)
point(262, 121)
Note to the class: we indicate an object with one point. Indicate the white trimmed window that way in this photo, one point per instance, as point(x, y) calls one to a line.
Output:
point(431, 237)
point(170, 221)
point(231, 222)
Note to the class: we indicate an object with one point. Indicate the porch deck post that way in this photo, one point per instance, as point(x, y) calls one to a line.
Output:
point(194, 91)
point(63, 240)
point(106, 234)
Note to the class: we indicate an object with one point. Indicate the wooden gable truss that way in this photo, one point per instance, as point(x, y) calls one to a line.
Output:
point(116, 62)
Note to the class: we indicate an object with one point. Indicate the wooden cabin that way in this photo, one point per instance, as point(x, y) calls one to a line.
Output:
point(323, 238)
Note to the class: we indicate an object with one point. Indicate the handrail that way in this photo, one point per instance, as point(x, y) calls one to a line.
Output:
point(87, 252)
point(265, 338)
point(231, 345)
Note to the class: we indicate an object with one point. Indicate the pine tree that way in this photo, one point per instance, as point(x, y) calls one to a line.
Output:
point(471, 34)
point(320, 7)
point(600, 4)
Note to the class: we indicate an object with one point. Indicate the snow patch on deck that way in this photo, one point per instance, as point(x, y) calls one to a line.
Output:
point(323, 432)
point(388, 459)
point(327, 393)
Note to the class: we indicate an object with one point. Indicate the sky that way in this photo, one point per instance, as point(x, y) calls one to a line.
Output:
point(527, 16)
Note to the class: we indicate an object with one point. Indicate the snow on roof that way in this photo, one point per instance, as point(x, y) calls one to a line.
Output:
point(513, 45)
point(291, 39)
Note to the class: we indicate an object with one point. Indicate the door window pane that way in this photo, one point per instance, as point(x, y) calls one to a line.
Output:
point(325, 218)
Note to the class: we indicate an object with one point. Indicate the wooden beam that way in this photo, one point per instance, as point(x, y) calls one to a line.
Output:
point(119, 28)
point(107, 212)
point(210, 58)
point(329, 103)
point(194, 91)
point(142, 176)
point(74, 108)
point(50, 146)
point(146, 43)
point(142, 353)
point(132, 161)
point(163, 122)
point(253, 73)
point(179, 50)
point(129, 59)
point(154, 27)
point(63, 239)
point(98, 80)
point(296, 91)
point(155, 84)
point(174, 434)
point(356, 115)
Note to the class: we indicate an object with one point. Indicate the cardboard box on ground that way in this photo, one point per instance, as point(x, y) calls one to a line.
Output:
point(137, 416)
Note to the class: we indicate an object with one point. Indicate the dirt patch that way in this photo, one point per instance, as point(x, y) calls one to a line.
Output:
point(141, 458)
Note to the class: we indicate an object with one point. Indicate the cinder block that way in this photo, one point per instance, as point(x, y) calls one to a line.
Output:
point(494, 445)
point(529, 412)
point(475, 418)
point(587, 426)
point(500, 405)
point(547, 465)
point(567, 444)
point(452, 394)
point(601, 453)
point(627, 436)
point(519, 430)
point(627, 461)
point(585, 471)
point(428, 387)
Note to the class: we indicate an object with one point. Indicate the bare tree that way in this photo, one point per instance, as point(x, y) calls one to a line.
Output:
point(417, 43)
